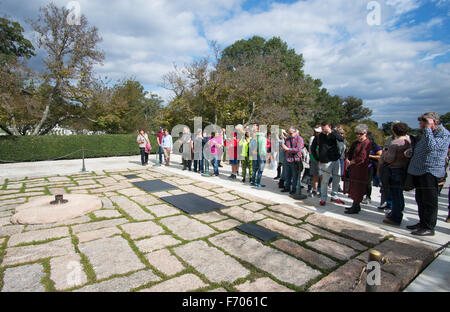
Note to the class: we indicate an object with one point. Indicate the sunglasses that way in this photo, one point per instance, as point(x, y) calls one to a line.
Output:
point(359, 133)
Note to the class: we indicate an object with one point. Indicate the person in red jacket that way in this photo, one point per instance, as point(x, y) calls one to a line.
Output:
point(233, 155)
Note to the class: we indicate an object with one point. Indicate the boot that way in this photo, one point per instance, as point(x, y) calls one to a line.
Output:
point(281, 184)
point(278, 173)
point(354, 209)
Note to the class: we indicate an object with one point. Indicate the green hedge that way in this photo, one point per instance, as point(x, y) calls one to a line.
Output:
point(49, 147)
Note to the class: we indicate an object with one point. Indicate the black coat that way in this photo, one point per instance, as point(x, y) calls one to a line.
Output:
point(328, 148)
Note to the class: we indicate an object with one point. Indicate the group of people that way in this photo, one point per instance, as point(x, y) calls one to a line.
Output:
point(403, 160)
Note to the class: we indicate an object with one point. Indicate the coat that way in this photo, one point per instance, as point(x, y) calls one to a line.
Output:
point(357, 180)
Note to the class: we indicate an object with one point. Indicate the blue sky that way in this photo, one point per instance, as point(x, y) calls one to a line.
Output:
point(400, 68)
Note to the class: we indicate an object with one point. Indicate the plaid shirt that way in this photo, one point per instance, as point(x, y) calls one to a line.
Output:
point(295, 146)
point(430, 152)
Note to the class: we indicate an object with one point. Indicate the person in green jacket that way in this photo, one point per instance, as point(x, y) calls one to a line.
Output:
point(245, 157)
point(258, 155)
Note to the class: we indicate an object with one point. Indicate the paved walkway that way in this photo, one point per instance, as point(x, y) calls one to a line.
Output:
point(226, 191)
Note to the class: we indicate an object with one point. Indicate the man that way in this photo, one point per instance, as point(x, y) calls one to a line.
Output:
point(329, 161)
point(258, 152)
point(159, 137)
point(426, 167)
point(293, 154)
point(167, 145)
point(314, 163)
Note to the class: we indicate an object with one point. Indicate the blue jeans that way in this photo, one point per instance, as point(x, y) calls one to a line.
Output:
point(258, 168)
point(198, 164)
point(396, 192)
point(291, 177)
point(161, 153)
point(215, 162)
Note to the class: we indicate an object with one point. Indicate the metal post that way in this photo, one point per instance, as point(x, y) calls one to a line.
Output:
point(82, 156)
point(206, 164)
point(374, 255)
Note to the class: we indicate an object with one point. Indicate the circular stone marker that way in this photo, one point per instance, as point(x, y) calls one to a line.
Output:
point(40, 211)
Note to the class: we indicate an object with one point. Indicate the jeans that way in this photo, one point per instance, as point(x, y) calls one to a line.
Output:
point(258, 168)
point(198, 165)
point(215, 162)
point(292, 172)
point(161, 153)
point(144, 156)
point(427, 199)
point(342, 163)
point(327, 170)
point(396, 190)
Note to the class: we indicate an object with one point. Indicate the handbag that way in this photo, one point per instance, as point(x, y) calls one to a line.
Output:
point(148, 147)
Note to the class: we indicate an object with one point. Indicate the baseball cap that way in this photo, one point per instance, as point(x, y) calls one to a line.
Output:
point(318, 129)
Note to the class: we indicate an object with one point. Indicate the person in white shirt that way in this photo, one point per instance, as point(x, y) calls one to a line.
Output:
point(142, 140)
point(167, 145)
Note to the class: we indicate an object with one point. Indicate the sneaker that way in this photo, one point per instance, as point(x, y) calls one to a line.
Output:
point(323, 203)
point(338, 201)
point(384, 206)
point(390, 221)
point(366, 201)
point(243, 180)
point(252, 183)
point(313, 194)
point(259, 185)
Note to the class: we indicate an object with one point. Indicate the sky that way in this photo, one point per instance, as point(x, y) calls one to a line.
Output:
point(394, 54)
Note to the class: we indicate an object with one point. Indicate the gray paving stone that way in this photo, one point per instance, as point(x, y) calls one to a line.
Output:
point(237, 202)
point(196, 190)
point(187, 228)
point(122, 284)
point(355, 231)
point(280, 265)
point(146, 200)
point(242, 214)
point(34, 227)
point(142, 229)
point(25, 278)
point(16, 255)
point(308, 255)
point(292, 232)
point(157, 242)
point(163, 210)
point(98, 225)
point(11, 229)
point(110, 256)
point(263, 284)
point(349, 242)
point(211, 262)
point(96, 234)
point(165, 262)
point(333, 249)
point(181, 283)
point(280, 217)
point(110, 213)
point(67, 272)
point(226, 196)
point(253, 206)
point(5, 221)
point(37, 236)
point(226, 224)
point(209, 217)
point(131, 208)
point(290, 210)
point(132, 191)
point(107, 203)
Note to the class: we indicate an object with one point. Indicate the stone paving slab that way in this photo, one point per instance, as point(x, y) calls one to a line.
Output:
point(292, 232)
point(107, 203)
point(36, 236)
point(211, 262)
point(187, 228)
point(67, 272)
point(308, 255)
point(253, 206)
point(333, 249)
point(227, 196)
point(5, 221)
point(196, 190)
point(318, 231)
point(131, 208)
point(142, 229)
point(163, 210)
point(25, 278)
point(132, 191)
point(155, 243)
point(280, 265)
point(11, 229)
point(110, 256)
point(146, 200)
point(415, 256)
point(122, 284)
point(344, 278)
point(226, 224)
point(263, 284)
point(34, 227)
point(16, 255)
point(280, 217)
point(242, 214)
point(210, 217)
point(110, 213)
point(96, 234)
point(165, 262)
point(355, 231)
point(98, 225)
point(182, 283)
point(290, 210)
point(237, 202)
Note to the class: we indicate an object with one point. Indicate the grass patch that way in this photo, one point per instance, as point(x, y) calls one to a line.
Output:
point(46, 281)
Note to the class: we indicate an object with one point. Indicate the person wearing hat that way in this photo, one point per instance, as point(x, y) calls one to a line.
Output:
point(426, 167)
point(159, 137)
point(314, 163)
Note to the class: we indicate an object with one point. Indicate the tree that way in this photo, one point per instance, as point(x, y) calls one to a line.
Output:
point(445, 120)
point(353, 110)
point(13, 44)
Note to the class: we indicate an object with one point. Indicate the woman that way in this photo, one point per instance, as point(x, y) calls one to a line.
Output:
point(281, 153)
point(142, 140)
point(198, 152)
point(186, 148)
point(245, 156)
point(216, 144)
point(374, 157)
point(167, 145)
point(233, 156)
point(356, 163)
point(397, 163)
